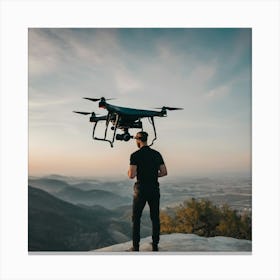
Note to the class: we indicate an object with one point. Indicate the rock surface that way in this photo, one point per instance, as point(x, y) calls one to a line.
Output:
point(178, 242)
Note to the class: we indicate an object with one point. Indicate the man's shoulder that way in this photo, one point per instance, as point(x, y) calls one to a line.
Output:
point(155, 151)
point(143, 151)
point(156, 155)
point(135, 153)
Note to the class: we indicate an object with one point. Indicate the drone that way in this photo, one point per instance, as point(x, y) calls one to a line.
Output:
point(123, 118)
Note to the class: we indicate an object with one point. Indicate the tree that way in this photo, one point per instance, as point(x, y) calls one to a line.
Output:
point(202, 217)
point(166, 223)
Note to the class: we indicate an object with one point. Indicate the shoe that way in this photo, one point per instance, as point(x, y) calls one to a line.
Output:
point(133, 249)
point(155, 247)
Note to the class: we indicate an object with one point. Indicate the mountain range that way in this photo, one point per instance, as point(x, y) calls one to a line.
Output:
point(83, 214)
point(57, 225)
point(76, 195)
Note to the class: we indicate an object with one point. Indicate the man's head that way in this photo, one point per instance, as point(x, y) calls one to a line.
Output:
point(141, 138)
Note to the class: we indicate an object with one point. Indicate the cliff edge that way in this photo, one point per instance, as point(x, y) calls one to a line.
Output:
point(179, 242)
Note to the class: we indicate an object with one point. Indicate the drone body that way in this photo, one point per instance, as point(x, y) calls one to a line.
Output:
point(123, 118)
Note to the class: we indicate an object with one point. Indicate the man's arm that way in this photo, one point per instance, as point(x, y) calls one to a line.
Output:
point(162, 170)
point(132, 171)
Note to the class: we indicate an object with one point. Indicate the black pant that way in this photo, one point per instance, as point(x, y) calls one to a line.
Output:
point(143, 194)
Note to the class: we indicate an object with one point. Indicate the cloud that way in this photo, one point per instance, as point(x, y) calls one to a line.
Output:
point(151, 70)
point(203, 73)
point(54, 49)
point(43, 55)
point(125, 81)
point(218, 92)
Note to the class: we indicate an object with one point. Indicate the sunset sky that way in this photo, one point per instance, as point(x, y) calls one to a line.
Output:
point(205, 71)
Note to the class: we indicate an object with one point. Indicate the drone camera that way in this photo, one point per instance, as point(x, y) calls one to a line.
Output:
point(124, 137)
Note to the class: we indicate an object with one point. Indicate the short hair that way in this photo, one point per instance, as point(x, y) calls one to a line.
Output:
point(142, 135)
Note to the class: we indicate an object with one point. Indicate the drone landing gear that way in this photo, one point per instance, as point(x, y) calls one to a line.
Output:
point(155, 133)
point(123, 137)
point(105, 135)
point(106, 140)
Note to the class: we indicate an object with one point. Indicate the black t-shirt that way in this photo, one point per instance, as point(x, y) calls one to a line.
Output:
point(148, 162)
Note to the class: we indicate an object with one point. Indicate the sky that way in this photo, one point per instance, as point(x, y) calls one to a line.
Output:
point(205, 71)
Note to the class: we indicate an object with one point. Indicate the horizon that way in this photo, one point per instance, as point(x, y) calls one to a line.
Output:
point(165, 179)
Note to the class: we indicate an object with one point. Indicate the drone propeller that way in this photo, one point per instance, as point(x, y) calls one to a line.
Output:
point(169, 108)
point(97, 99)
point(85, 113)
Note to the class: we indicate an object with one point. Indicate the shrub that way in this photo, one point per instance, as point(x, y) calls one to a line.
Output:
point(203, 218)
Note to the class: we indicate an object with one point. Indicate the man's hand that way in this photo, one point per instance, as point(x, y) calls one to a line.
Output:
point(132, 171)
point(162, 170)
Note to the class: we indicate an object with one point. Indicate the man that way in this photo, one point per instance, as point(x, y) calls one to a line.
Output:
point(147, 165)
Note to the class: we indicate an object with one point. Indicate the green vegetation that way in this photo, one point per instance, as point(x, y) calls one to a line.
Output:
point(203, 218)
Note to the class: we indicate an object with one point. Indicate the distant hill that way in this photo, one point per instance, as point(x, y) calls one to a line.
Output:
point(56, 225)
point(48, 184)
point(75, 195)
point(92, 197)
